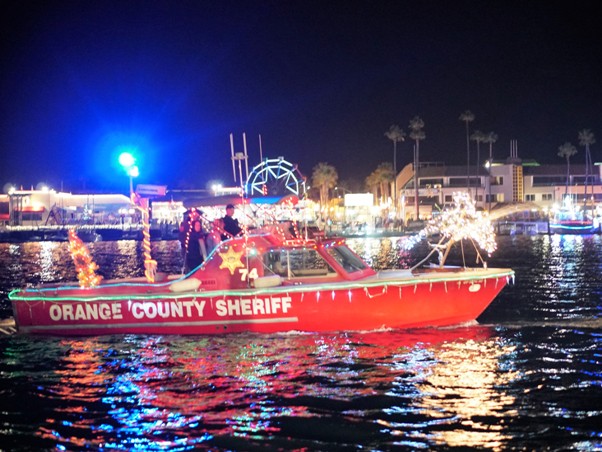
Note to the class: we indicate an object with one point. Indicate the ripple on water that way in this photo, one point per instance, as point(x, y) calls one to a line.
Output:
point(527, 378)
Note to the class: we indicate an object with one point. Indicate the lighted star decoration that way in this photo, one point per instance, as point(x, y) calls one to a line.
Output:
point(84, 265)
point(461, 222)
point(231, 260)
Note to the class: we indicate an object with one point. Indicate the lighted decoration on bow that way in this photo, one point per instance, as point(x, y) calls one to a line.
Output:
point(461, 222)
point(84, 265)
point(150, 265)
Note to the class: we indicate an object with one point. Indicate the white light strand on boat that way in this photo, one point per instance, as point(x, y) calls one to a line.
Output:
point(461, 222)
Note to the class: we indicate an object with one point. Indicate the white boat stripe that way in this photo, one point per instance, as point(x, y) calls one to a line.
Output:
point(95, 326)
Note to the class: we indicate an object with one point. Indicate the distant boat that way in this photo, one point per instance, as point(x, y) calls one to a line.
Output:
point(572, 219)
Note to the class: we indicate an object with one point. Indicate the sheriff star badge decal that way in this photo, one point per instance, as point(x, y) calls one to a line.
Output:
point(231, 260)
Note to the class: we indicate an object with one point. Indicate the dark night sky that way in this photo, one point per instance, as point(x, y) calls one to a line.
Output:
point(320, 81)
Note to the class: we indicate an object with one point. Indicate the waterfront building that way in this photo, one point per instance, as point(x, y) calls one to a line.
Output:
point(503, 182)
point(51, 208)
point(511, 181)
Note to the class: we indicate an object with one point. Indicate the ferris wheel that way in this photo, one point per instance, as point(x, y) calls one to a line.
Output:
point(275, 177)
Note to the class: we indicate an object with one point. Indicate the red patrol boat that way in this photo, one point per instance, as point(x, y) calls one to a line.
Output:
point(265, 282)
point(272, 280)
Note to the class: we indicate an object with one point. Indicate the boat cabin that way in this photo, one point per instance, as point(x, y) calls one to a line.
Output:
point(269, 260)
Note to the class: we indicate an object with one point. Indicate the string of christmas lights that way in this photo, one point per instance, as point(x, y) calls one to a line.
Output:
point(461, 222)
point(150, 265)
point(84, 265)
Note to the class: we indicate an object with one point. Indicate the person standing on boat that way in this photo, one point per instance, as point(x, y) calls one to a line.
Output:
point(196, 251)
point(214, 237)
point(231, 226)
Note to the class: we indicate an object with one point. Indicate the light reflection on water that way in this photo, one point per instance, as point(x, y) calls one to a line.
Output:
point(529, 377)
point(157, 392)
point(468, 382)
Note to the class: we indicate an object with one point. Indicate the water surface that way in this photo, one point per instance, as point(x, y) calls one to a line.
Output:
point(528, 376)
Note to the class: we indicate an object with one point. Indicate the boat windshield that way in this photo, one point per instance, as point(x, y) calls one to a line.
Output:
point(295, 262)
point(349, 261)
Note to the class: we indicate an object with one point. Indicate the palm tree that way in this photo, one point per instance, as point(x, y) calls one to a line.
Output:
point(396, 135)
point(324, 177)
point(379, 181)
point(586, 138)
point(373, 184)
point(490, 138)
point(567, 150)
point(478, 137)
point(416, 134)
point(467, 117)
point(386, 175)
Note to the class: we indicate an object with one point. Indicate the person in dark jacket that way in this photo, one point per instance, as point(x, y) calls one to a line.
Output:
point(231, 225)
point(196, 251)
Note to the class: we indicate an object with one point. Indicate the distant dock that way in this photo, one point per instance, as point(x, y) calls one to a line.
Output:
point(88, 233)
point(522, 227)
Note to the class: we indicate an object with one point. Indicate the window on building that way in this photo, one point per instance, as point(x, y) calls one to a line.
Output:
point(31, 216)
point(530, 197)
point(457, 182)
point(547, 197)
point(539, 181)
point(433, 182)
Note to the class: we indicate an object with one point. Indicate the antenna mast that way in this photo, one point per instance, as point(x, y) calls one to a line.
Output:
point(260, 150)
point(232, 150)
point(239, 156)
point(244, 140)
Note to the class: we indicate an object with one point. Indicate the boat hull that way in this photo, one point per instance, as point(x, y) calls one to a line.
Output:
point(391, 299)
point(575, 227)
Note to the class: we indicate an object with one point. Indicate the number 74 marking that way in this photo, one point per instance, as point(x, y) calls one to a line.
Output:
point(245, 273)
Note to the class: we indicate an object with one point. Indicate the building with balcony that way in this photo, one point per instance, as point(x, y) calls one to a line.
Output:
point(504, 182)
